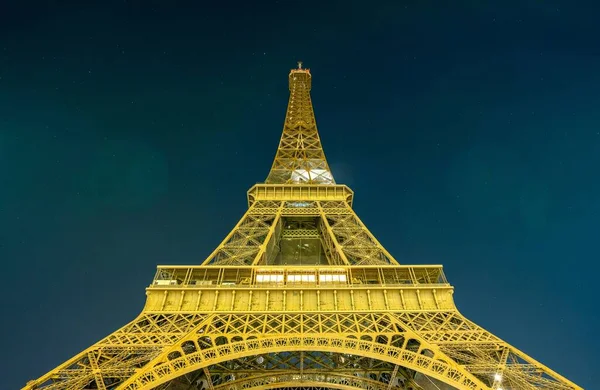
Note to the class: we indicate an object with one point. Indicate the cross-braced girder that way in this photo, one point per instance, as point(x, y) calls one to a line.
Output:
point(377, 336)
point(300, 294)
point(256, 239)
point(118, 356)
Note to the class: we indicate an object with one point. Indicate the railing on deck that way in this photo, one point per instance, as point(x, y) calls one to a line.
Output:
point(301, 276)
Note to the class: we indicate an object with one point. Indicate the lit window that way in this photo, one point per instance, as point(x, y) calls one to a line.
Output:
point(329, 278)
point(269, 278)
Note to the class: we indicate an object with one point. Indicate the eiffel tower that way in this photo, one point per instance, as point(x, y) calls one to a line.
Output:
point(300, 295)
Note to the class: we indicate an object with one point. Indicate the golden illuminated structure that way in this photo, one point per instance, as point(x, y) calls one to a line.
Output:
point(300, 295)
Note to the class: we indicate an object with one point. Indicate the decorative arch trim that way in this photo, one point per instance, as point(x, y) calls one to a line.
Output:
point(198, 359)
point(329, 380)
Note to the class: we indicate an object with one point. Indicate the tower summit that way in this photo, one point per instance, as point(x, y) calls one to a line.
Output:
point(301, 295)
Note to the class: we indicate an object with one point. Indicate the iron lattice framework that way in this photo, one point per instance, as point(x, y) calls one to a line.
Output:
point(300, 295)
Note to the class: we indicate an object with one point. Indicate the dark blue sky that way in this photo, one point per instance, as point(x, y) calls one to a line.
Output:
point(129, 135)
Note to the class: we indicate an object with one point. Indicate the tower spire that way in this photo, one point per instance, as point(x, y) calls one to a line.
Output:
point(300, 158)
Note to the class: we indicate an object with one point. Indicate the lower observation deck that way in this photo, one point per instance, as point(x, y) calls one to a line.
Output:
point(299, 289)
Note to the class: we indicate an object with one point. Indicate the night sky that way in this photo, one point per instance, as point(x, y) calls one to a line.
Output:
point(130, 133)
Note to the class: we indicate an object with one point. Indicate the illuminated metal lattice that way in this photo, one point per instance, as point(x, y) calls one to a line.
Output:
point(300, 295)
